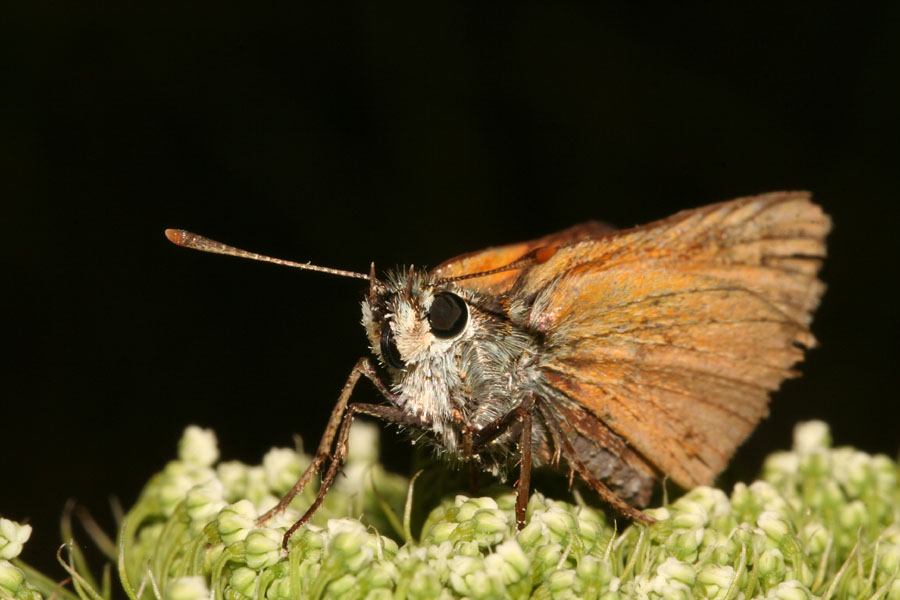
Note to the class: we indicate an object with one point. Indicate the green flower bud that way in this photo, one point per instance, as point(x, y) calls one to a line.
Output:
point(889, 559)
point(547, 556)
point(853, 516)
point(467, 548)
point(775, 526)
point(562, 580)
point(815, 538)
point(811, 436)
point(236, 520)
point(533, 534)
point(198, 447)
point(765, 492)
point(684, 545)
point(263, 548)
point(715, 579)
point(660, 513)
point(715, 501)
point(424, 583)
point(12, 538)
point(781, 467)
point(745, 504)
point(441, 532)
point(282, 467)
point(771, 567)
point(233, 475)
point(675, 570)
point(491, 526)
point(258, 489)
point(379, 574)
point(688, 514)
point(12, 579)
point(173, 486)
point(187, 588)
point(203, 502)
point(280, 589)
point(560, 523)
point(341, 585)
point(462, 572)
point(243, 580)
point(886, 475)
point(590, 526)
point(509, 561)
point(466, 507)
point(347, 544)
point(380, 594)
point(815, 464)
point(789, 590)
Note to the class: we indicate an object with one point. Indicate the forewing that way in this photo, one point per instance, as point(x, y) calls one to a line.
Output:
point(501, 256)
point(674, 334)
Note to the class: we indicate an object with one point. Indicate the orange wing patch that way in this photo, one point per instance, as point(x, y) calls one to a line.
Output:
point(674, 334)
point(500, 256)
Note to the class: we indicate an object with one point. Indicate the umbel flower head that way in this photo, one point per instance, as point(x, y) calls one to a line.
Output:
point(821, 522)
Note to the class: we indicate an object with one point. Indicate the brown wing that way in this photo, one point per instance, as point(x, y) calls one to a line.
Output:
point(500, 256)
point(674, 334)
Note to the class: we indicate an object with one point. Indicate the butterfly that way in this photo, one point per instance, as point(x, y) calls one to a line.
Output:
point(616, 356)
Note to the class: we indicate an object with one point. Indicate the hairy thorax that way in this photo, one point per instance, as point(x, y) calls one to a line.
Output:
point(458, 384)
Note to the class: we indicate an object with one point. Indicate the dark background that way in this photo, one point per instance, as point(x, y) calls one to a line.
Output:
point(396, 134)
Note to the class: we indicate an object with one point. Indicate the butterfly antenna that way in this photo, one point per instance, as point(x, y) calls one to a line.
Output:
point(180, 237)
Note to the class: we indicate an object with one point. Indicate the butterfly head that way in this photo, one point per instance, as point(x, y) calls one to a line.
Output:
point(410, 318)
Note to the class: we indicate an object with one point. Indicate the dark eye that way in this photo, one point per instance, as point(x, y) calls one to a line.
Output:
point(389, 348)
point(448, 315)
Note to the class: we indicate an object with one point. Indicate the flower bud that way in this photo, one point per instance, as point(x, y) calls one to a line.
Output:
point(348, 544)
point(715, 579)
point(561, 580)
point(198, 447)
point(853, 516)
point(12, 538)
point(789, 590)
point(203, 502)
point(775, 526)
point(811, 436)
point(263, 548)
point(491, 526)
point(441, 532)
point(688, 514)
point(771, 567)
point(187, 588)
point(12, 579)
point(236, 520)
point(243, 580)
point(560, 523)
point(280, 589)
point(674, 569)
point(466, 507)
point(510, 560)
point(233, 475)
point(283, 468)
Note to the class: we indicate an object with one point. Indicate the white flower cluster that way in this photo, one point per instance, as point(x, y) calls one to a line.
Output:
point(822, 522)
point(13, 583)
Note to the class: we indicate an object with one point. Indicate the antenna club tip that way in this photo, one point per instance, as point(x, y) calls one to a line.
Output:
point(176, 236)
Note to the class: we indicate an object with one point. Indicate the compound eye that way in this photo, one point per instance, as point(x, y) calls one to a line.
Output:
point(389, 348)
point(448, 315)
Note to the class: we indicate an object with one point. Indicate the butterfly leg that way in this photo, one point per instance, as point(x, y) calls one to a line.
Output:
point(576, 465)
point(339, 416)
point(519, 417)
point(389, 414)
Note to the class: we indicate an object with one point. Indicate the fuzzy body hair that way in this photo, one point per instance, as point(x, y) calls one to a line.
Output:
point(473, 379)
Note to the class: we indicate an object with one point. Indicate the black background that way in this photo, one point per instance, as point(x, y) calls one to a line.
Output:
point(396, 134)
